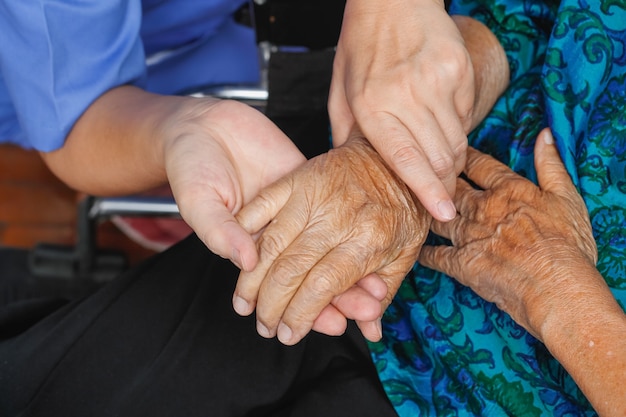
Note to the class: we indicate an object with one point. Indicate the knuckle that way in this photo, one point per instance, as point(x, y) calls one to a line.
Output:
point(443, 165)
point(453, 64)
point(325, 285)
point(460, 148)
point(404, 155)
point(271, 245)
point(283, 276)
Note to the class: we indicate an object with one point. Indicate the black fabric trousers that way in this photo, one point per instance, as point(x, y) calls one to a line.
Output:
point(163, 340)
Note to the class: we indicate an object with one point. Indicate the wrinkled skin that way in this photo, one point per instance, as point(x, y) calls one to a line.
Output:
point(531, 251)
point(403, 75)
point(514, 243)
point(338, 218)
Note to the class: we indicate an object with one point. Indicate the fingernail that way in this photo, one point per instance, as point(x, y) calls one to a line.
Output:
point(284, 333)
point(379, 328)
point(262, 330)
point(547, 137)
point(236, 259)
point(241, 306)
point(446, 209)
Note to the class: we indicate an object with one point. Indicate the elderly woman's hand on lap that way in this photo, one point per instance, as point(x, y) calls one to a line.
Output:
point(531, 251)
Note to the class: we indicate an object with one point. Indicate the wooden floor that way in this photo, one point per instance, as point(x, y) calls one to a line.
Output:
point(35, 207)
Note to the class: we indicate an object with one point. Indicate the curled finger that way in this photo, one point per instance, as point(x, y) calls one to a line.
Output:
point(487, 172)
point(442, 258)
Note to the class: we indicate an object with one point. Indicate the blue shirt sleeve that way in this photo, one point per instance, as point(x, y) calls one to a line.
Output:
point(57, 57)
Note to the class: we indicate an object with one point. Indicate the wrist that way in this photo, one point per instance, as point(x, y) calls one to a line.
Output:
point(585, 333)
point(491, 67)
point(579, 296)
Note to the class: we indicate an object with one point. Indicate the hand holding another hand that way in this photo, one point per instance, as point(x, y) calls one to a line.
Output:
point(403, 75)
point(218, 156)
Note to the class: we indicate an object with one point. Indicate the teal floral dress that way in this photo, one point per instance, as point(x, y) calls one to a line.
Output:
point(445, 351)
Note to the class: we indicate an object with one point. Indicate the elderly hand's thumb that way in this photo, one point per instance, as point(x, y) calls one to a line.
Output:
point(551, 172)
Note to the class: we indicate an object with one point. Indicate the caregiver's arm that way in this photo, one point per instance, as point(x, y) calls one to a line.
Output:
point(216, 155)
point(531, 251)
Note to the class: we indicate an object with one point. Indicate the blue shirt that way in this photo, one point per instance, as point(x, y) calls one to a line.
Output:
point(57, 57)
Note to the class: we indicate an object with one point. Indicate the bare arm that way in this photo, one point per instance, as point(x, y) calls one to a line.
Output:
point(531, 251)
point(491, 68)
point(216, 155)
point(115, 148)
point(586, 332)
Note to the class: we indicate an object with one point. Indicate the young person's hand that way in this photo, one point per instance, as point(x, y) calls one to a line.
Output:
point(403, 75)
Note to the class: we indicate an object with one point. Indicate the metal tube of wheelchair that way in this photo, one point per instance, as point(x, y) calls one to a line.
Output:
point(133, 206)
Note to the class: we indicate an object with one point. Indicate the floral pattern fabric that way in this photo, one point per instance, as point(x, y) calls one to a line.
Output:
point(446, 351)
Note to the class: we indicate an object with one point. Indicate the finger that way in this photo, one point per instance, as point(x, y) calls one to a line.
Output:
point(330, 277)
point(224, 236)
point(375, 285)
point(551, 173)
point(466, 199)
point(485, 171)
point(330, 322)
point(395, 143)
point(341, 118)
point(454, 133)
point(394, 273)
point(441, 135)
point(355, 304)
point(278, 277)
point(263, 208)
point(358, 304)
point(371, 330)
point(441, 258)
point(273, 244)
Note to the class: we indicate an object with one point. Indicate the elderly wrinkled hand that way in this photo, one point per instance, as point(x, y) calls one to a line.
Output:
point(403, 75)
point(515, 243)
point(338, 218)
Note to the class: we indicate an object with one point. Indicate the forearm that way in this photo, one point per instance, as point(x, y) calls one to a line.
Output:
point(587, 335)
point(116, 146)
point(491, 68)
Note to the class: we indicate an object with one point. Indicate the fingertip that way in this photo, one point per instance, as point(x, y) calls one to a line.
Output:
point(548, 139)
point(375, 285)
point(435, 198)
point(263, 331)
point(330, 322)
point(371, 330)
point(284, 334)
point(545, 140)
point(246, 258)
point(446, 211)
point(426, 256)
point(241, 306)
